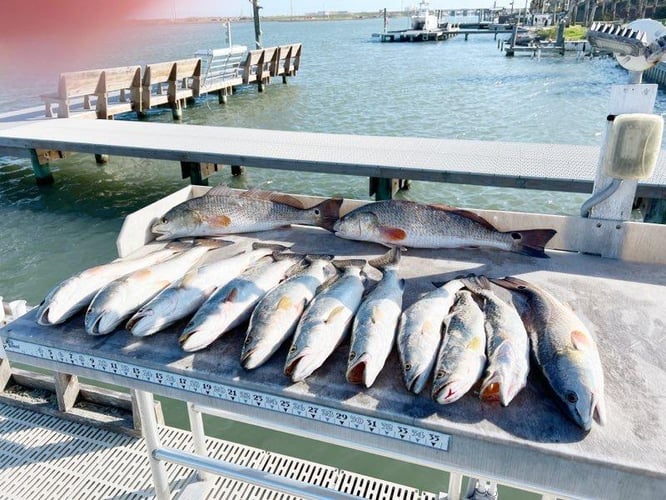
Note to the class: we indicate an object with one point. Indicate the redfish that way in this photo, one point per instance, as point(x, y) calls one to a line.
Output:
point(224, 211)
point(565, 351)
point(417, 225)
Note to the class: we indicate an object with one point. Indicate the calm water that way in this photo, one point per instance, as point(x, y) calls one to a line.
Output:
point(347, 84)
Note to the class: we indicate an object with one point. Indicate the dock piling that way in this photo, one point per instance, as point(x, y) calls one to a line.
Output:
point(67, 390)
point(42, 170)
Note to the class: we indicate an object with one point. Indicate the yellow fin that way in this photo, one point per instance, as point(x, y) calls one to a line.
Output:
point(334, 313)
point(285, 303)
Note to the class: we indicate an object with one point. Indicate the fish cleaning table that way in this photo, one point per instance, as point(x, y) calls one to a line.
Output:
point(529, 444)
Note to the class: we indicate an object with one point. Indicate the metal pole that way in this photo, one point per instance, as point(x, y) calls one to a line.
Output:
point(145, 402)
point(199, 436)
point(257, 23)
point(228, 25)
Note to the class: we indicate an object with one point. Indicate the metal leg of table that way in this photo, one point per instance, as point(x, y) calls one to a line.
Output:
point(455, 484)
point(199, 437)
point(146, 406)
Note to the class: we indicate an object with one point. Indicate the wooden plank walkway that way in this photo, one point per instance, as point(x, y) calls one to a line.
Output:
point(555, 167)
point(45, 457)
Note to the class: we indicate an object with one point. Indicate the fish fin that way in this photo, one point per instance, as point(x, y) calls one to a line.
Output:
point(262, 194)
point(390, 258)
point(219, 221)
point(212, 243)
point(599, 412)
point(284, 303)
point(582, 340)
point(272, 246)
point(512, 283)
point(531, 242)
point(327, 212)
point(336, 311)
point(232, 295)
point(392, 233)
point(327, 283)
point(476, 283)
point(311, 257)
point(344, 263)
point(465, 213)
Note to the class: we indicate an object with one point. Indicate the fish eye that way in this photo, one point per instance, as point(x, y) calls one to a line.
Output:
point(164, 220)
point(248, 340)
point(572, 397)
point(440, 374)
point(352, 355)
point(408, 366)
point(292, 348)
point(317, 211)
point(516, 235)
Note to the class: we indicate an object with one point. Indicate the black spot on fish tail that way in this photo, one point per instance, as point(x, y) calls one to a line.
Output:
point(327, 213)
point(531, 242)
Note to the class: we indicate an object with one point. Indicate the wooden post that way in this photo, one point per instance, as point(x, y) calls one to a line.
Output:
point(510, 52)
point(42, 171)
point(67, 390)
point(192, 169)
point(101, 159)
point(5, 372)
point(383, 188)
point(237, 170)
point(257, 23)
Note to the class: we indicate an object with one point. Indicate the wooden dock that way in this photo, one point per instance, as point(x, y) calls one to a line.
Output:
point(201, 148)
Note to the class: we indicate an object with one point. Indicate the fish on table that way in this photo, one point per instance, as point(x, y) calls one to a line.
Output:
point(417, 225)
point(507, 345)
point(224, 211)
point(375, 323)
point(185, 296)
point(420, 334)
point(118, 300)
point(232, 304)
point(462, 354)
point(565, 352)
point(275, 317)
point(75, 293)
point(326, 321)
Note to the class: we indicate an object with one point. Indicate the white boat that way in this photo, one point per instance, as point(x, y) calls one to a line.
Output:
point(424, 20)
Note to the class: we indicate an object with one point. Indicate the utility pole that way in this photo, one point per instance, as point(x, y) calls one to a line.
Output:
point(257, 23)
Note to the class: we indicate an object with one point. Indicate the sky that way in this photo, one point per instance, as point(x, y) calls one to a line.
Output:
point(234, 8)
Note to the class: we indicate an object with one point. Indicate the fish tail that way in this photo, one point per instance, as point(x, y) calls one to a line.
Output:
point(212, 243)
point(344, 263)
point(512, 283)
point(311, 257)
point(272, 246)
point(531, 242)
point(389, 259)
point(476, 283)
point(329, 213)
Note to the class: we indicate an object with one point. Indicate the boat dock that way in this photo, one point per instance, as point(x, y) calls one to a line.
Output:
point(47, 457)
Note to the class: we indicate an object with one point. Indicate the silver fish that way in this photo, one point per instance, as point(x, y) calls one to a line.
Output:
point(232, 304)
point(75, 293)
point(409, 224)
point(565, 351)
point(186, 295)
point(121, 298)
point(223, 211)
point(462, 355)
point(375, 324)
point(325, 323)
point(507, 345)
point(275, 318)
point(420, 334)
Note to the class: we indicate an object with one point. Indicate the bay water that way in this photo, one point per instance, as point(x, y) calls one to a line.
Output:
point(349, 84)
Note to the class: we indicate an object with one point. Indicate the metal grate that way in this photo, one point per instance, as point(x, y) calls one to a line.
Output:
point(44, 457)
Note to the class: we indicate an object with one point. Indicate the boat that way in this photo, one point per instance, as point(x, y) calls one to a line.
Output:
point(425, 26)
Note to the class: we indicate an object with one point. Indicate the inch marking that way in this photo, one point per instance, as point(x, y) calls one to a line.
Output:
point(255, 399)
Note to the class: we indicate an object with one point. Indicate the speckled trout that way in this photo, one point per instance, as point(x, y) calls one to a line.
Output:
point(462, 355)
point(76, 293)
point(325, 322)
point(224, 211)
point(121, 298)
point(232, 304)
point(565, 351)
point(420, 334)
point(507, 345)
point(186, 295)
point(276, 315)
point(410, 224)
point(375, 324)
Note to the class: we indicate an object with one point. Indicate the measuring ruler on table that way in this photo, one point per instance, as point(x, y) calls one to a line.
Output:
point(252, 398)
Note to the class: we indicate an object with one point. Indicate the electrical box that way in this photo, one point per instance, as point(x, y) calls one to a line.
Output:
point(633, 145)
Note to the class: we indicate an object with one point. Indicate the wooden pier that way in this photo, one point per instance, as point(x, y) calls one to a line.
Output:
point(107, 92)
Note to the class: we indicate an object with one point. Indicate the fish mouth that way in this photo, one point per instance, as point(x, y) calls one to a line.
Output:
point(186, 342)
point(93, 328)
point(251, 359)
point(417, 383)
point(43, 316)
point(357, 372)
point(134, 324)
point(299, 368)
point(448, 393)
